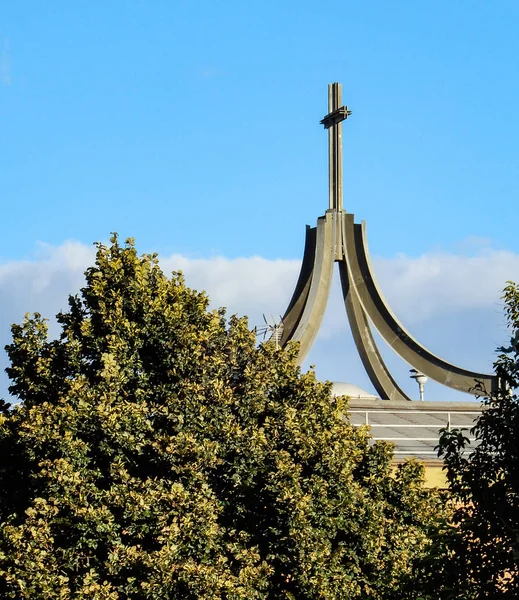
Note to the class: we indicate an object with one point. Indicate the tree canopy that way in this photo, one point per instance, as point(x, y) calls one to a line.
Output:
point(156, 452)
point(484, 538)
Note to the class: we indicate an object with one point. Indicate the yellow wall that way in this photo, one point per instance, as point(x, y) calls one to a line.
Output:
point(435, 476)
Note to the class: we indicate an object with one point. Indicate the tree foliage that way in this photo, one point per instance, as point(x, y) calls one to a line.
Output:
point(157, 453)
point(484, 540)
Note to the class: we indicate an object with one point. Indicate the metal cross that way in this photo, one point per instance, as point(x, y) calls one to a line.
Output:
point(333, 122)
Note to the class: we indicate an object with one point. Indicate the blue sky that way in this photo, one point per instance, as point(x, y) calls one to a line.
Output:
point(194, 127)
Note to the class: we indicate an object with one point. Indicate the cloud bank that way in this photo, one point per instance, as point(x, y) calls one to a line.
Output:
point(450, 302)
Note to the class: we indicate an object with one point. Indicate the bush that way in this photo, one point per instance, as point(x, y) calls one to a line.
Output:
point(157, 453)
point(484, 539)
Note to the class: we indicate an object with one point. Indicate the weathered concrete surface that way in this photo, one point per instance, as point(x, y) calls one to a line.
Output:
point(337, 238)
point(387, 388)
point(296, 307)
point(393, 331)
point(311, 318)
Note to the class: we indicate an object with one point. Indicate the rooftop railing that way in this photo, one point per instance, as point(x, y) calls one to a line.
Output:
point(369, 418)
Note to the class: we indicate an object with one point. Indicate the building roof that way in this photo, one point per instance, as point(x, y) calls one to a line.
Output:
point(413, 427)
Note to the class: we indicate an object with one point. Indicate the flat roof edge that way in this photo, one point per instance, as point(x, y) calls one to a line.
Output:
point(388, 405)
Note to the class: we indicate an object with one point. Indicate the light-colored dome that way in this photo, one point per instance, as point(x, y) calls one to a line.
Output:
point(353, 391)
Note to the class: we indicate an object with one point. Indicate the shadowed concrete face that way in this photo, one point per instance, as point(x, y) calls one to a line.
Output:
point(338, 239)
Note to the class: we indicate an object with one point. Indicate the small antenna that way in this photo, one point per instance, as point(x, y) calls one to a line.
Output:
point(273, 327)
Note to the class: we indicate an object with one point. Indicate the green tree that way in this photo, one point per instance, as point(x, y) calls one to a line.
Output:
point(484, 538)
point(157, 453)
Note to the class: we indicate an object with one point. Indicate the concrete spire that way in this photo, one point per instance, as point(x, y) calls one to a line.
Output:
point(337, 238)
point(333, 122)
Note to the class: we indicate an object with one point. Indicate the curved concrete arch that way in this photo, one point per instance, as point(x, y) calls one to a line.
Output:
point(297, 303)
point(380, 376)
point(320, 284)
point(393, 331)
point(338, 239)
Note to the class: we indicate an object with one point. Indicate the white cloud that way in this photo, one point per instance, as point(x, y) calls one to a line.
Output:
point(449, 302)
point(250, 286)
point(42, 284)
point(422, 287)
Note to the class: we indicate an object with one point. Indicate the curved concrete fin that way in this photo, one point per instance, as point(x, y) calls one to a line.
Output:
point(387, 388)
point(320, 284)
point(393, 331)
point(295, 309)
